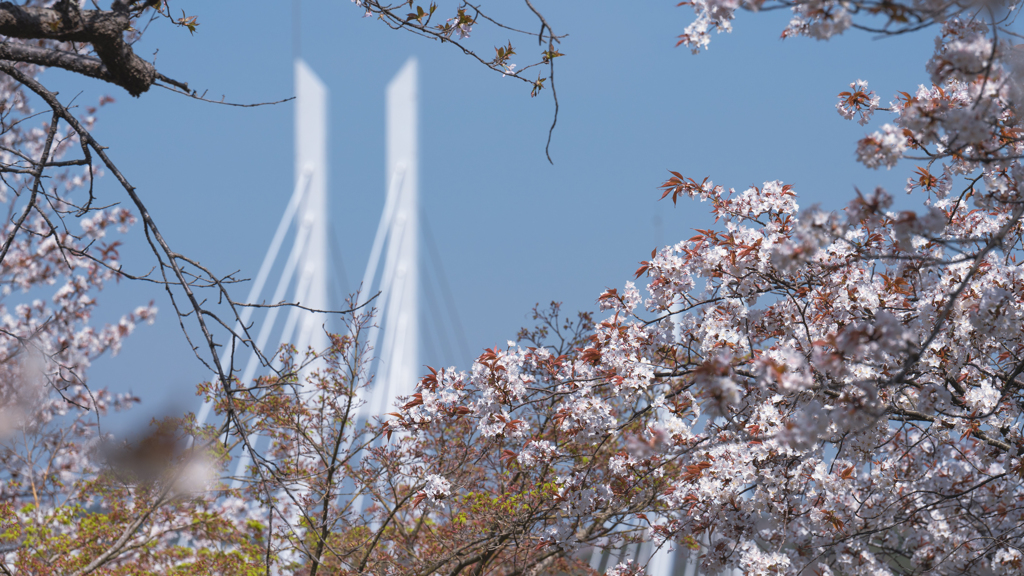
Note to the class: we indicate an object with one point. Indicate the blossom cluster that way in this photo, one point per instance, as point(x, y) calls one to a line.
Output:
point(794, 391)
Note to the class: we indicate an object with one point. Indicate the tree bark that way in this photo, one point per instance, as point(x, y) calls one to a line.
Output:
point(65, 22)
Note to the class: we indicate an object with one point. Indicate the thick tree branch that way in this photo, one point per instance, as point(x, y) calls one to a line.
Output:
point(103, 29)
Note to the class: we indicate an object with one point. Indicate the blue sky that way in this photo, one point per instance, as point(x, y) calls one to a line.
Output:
point(512, 229)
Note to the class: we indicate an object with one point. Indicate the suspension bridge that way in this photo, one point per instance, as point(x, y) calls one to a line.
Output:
point(311, 272)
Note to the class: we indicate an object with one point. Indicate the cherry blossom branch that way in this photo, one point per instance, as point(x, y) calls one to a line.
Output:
point(37, 174)
point(157, 242)
point(127, 534)
point(419, 24)
point(550, 58)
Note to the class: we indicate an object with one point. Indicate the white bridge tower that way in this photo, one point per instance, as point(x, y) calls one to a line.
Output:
point(305, 273)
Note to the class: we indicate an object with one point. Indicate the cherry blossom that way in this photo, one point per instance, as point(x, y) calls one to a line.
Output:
point(786, 391)
point(797, 391)
point(859, 100)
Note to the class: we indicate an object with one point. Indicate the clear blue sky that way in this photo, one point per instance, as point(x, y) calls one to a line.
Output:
point(513, 230)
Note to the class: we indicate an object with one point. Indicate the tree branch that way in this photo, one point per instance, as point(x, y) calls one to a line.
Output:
point(64, 22)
